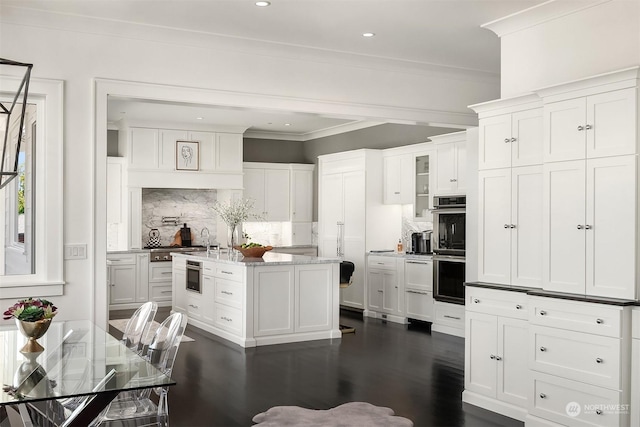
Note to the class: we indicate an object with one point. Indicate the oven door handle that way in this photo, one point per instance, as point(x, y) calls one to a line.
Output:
point(451, 258)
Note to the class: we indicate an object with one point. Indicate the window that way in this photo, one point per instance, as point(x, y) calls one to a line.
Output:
point(31, 244)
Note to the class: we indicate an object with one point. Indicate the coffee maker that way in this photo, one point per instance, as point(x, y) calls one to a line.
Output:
point(421, 242)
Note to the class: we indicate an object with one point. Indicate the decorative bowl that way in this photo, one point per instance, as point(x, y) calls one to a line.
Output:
point(255, 252)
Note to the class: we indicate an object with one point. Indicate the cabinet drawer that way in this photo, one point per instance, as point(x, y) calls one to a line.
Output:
point(449, 315)
point(501, 303)
point(229, 319)
point(572, 403)
point(122, 259)
point(228, 293)
point(194, 305)
point(229, 272)
point(418, 275)
point(160, 293)
point(382, 263)
point(575, 355)
point(419, 304)
point(579, 316)
point(160, 273)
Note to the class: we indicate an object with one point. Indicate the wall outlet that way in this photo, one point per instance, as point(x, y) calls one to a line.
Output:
point(78, 251)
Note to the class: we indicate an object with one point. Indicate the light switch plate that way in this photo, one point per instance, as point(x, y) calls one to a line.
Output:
point(78, 251)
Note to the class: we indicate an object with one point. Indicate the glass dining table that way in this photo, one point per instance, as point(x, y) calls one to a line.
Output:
point(81, 370)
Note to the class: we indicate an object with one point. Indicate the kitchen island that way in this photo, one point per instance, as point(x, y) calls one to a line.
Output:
point(276, 299)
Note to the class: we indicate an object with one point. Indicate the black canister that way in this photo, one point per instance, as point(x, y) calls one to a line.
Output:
point(185, 235)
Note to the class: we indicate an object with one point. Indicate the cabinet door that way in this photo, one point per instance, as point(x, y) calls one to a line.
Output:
point(419, 305)
point(314, 290)
point(611, 215)
point(208, 297)
point(418, 275)
point(563, 227)
point(254, 189)
point(374, 289)
point(142, 277)
point(228, 152)
point(143, 148)
point(422, 186)
point(526, 138)
point(179, 295)
point(392, 187)
point(513, 371)
point(480, 348)
point(391, 292)
point(277, 191)
point(526, 216)
point(494, 222)
point(563, 139)
point(135, 218)
point(445, 180)
point(207, 148)
point(460, 178)
point(301, 195)
point(273, 303)
point(330, 212)
point(167, 148)
point(123, 284)
point(407, 163)
point(354, 193)
point(115, 189)
point(612, 118)
point(494, 142)
point(301, 233)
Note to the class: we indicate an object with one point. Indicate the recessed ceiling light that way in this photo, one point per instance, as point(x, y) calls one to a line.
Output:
point(287, 124)
point(199, 118)
point(368, 34)
point(263, 3)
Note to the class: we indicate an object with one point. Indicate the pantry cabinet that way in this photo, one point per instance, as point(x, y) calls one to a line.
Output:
point(509, 224)
point(450, 163)
point(589, 226)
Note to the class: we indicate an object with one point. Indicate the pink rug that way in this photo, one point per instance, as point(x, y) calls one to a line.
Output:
point(347, 415)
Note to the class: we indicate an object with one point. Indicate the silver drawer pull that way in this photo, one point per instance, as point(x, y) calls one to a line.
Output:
point(543, 396)
point(543, 348)
point(166, 272)
point(396, 192)
point(599, 360)
point(226, 292)
point(226, 272)
point(599, 321)
point(543, 313)
point(380, 290)
point(226, 318)
point(409, 291)
point(165, 292)
point(451, 317)
point(476, 300)
point(193, 306)
point(518, 307)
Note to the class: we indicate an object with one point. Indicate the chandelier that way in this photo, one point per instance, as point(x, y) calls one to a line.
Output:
point(12, 123)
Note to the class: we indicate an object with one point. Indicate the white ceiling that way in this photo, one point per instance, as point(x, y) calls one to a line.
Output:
point(429, 32)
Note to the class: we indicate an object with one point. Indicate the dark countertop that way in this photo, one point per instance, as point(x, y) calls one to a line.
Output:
point(558, 295)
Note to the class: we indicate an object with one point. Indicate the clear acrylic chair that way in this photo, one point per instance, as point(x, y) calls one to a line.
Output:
point(138, 406)
point(137, 328)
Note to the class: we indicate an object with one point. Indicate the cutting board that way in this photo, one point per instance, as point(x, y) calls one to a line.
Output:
point(177, 239)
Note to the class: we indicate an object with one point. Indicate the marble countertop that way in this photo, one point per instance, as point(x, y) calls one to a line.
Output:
point(129, 251)
point(404, 255)
point(268, 258)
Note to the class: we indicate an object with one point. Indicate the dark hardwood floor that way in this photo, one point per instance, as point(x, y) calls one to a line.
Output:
point(418, 374)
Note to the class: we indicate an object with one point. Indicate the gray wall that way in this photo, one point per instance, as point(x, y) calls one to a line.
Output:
point(273, 151)
point(112, 143)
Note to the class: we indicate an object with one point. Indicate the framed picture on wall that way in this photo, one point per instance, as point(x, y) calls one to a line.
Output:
point(187, 156)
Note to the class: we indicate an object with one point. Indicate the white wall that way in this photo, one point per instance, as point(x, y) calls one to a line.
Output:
point(595, 40)
point(77, 51)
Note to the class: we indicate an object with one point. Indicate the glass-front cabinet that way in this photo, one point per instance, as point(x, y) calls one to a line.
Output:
point(422, 202)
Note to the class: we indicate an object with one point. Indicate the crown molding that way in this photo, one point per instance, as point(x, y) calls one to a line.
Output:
point(308, 136)
point(537, 15)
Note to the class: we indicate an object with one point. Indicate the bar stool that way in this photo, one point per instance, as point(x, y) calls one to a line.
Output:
point(346, 279)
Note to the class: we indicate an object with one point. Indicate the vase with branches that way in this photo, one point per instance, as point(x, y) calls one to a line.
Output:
point(234, 213)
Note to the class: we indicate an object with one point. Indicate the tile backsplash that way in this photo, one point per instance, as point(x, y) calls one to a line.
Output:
point(190, 206)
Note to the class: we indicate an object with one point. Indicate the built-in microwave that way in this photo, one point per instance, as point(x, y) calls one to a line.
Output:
point(194, 276)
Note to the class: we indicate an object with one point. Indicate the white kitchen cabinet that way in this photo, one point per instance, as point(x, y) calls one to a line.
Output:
point(422, 186)
point(496, 347)
point(509, 224)
point(635, 367)
point(350, 211)
point(589, 227)
point(418, 288)
point(129, 280)
point(511, 140)
point(143, 148)
point(134, 219)
point(302, 193)
point(179, 284)
point(398, 176)
point(228, 154)
point(117, 215)
point(160, 283)
point(167, 147)
point(450, 163)
point(273, 300)
point(598, 125)
point(313, 291)
point(384, 288)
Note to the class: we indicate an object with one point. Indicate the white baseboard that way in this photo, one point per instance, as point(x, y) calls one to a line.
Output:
point(493, 405)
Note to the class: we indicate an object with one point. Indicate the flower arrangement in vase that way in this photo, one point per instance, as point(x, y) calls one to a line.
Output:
point(233, 213)
point(33, 318)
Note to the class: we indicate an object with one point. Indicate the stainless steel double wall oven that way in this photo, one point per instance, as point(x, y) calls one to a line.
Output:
point(449, 220)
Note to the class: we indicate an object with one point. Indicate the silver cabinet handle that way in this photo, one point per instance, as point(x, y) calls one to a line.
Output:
point(165, 292)
point(226, 272)
point(513, 140)
point(194, 306)
point(588, 127)
point(543, 396)
point(226, 318)
point(543, 349)
point(580, 127)
point(380, 290)
point(166, 272)
point(588, 227)
point(512, 226)
point(543, 313)
point(498, 358)
point(507, 140)
point(518, 307)
point(226, 292)
point(451, 317)
point(599, 360)
point(396, 192)
point(506, 226)
point(580, 227)
point(492, 357)
point(599, 321)
point(476, 300)
point(409, 291)
point(598, 411)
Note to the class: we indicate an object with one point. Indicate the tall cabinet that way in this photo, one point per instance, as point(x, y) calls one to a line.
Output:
point(350, 214)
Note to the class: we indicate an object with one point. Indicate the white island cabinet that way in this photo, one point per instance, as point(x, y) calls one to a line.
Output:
point(276, 299)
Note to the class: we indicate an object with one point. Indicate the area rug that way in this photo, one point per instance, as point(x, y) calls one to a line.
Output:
point(120, 324)
point(352, 414)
